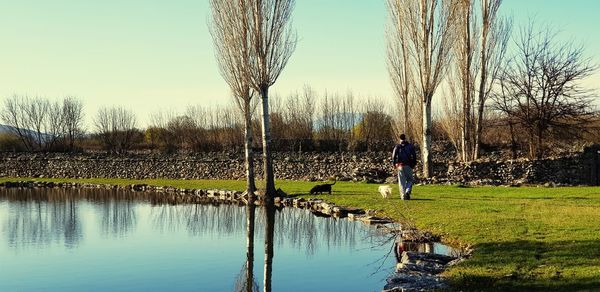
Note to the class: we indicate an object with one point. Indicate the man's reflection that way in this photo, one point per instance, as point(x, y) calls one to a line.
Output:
point(402, 246)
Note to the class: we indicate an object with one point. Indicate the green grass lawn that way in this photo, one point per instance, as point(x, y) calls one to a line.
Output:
point(524, 238)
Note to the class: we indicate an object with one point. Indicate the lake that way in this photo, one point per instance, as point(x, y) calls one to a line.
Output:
point(115, 240)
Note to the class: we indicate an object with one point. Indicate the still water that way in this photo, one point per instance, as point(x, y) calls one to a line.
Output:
point(108, 240)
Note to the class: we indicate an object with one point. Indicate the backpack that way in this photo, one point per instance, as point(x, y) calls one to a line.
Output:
point(403, 155)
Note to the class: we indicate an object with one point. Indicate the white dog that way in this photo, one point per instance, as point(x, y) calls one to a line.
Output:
point(385, 191)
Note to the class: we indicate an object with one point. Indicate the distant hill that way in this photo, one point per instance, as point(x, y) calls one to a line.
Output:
point(6, 129)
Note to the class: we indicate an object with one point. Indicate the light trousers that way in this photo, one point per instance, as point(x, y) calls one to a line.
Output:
point(405, 181)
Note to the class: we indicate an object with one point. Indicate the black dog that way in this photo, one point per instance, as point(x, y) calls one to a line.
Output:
point(321, 189)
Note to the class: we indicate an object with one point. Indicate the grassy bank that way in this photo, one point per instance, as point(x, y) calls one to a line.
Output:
point(525, 238)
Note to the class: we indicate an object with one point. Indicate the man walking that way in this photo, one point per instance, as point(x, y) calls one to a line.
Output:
point(404, 159)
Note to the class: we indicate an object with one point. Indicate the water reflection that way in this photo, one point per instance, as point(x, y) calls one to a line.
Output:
point(199, 219)
point(295, 227)
point(43, 217)
point(269, 240)
point(245, 281)
point(424, 247)
point(118, 214)
point(36, 219)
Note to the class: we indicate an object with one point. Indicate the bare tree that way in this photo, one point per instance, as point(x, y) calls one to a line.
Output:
point(329, 112)
point(480, 47)
point(307, 110)
point(430, 37)
point(182, 131)
point(338, 117)
point(450, 117)
point(231, 28)
point(54, 123)
point(13, 114)
point(157, 134)
point(298, 113)
point(35, 120)
point(41, 124)
point(399, 62)
point(36, 111)
point(495, 34)
point(348, 118)
point(230, 131)
point(541, 87)
point(272, 43)
point(116, 127)
point(72, 111)
point(466, 67)
point(375, 127)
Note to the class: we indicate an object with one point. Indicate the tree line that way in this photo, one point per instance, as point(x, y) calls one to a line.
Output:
point(461, 50)
point(302, 121)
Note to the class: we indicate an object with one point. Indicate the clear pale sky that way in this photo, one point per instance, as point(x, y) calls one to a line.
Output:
point(150, 55)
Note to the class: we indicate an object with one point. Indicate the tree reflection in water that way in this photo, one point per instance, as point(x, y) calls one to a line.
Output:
point(269, 240)
point(117, 213)
point(245, 281)
point(199, 219)
point(40, 217)
point(44, 216)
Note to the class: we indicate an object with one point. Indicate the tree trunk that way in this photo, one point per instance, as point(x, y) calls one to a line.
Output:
point(251, 211)
point(426, 147)
point(266, 143)
point(513, 140)
point(467, 88)
point(406, 116)
point(540, 142)
point(532, 151)
point(466, 130)
point(482, 81)
point(478, 130)
point(269, 241)
point(249, 153)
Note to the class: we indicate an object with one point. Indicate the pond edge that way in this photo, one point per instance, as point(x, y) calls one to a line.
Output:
point(416, 271)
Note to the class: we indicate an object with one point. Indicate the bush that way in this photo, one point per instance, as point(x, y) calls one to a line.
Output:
point(10, 143)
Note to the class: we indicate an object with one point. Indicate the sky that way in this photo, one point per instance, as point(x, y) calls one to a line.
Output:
point(152, 55)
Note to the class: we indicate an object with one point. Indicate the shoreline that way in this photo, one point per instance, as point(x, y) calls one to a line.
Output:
point(414, 272)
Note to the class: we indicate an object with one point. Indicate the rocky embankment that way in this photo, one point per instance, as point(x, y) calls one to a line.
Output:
point(366, 166)
point(418, 271)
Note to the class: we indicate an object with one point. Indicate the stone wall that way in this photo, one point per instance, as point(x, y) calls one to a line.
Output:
point(373, 167)
point(559, 171)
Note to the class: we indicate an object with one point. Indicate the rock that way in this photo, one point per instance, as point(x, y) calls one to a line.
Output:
point(414, 281)
point(419, 272)
point(374, 220)
point(412, 257)
point(422, 266)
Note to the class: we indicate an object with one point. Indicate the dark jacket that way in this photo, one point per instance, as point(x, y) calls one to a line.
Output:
point(405, 154)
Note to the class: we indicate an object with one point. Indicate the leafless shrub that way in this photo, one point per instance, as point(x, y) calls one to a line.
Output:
point(375, 126)
point(541, 88)
point(116, 128)
point(41, 124)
